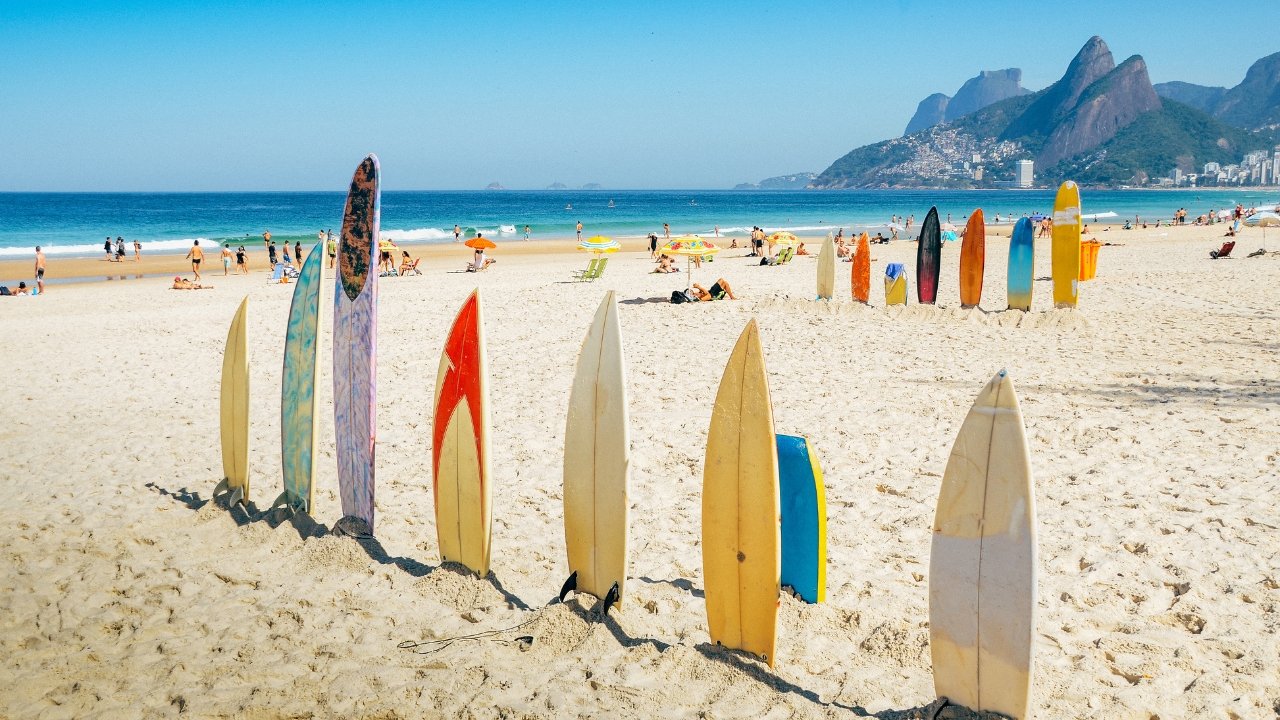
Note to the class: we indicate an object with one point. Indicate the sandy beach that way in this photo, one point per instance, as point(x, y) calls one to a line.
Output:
point(1151, 413)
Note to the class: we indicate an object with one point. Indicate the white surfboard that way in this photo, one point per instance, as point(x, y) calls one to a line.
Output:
point(597, 461)
point(827, 270)
point(982, 570)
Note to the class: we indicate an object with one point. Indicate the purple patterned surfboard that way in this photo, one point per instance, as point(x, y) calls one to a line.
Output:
point(355, 352)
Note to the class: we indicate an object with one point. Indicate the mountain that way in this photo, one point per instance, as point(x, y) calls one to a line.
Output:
point(990, 86)
point(1200, 97)
point(1253, 104)
point(794, 181)
point(1100, 123)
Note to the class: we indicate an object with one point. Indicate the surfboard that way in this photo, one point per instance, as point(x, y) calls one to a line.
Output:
point(460, 443)
point(860, 275)
point(234, 407)
point(1022, 253)
point(1066, 246)
point(803, 504)
point(895, 284)
point(973, 260)
point(597, 462)
point(355, 343)
point(827, 270)
point(741, 560)
point(298, 419)
point(982, 570)
point(928, 259)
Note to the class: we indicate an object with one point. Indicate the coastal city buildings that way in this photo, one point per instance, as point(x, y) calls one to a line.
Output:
point(1026, 173)
point(1256, 168)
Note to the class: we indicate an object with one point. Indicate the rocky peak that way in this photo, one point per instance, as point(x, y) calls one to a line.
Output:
point(1255, 102)
point(990, 86)
point(931, 111)
point(1090, 65)
point(1103, 108)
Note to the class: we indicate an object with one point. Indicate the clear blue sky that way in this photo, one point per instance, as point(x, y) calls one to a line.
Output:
point(455, 95)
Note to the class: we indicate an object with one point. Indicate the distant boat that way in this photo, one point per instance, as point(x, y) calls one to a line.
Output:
point(568, 206)
point(693, 202)
point(610, 203)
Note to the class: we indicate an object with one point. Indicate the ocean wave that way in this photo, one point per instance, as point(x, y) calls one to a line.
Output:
point(166, 246)
point(416, 234)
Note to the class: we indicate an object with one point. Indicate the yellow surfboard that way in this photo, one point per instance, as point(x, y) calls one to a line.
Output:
point(1066, 246)
point(234, 421)
point(741, 547)
point(597, 463)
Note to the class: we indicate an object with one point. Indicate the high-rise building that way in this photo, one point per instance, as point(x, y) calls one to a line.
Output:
point(1026, 174)
point(1211, 168)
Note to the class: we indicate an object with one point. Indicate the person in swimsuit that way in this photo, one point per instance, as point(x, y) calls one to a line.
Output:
point(107, 247)
point(242, 262)
point(718, 291)
point(195, 255)
point(119, 249)
point(137, 251)
point(39, 270)
point(226, 261)
point(297, 250)
point(180, 283)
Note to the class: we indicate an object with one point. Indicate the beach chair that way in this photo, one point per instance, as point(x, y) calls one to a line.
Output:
point(1227, 247)
point(590, 272)
point(277, 275)
point(410, 267)
point(600, 268)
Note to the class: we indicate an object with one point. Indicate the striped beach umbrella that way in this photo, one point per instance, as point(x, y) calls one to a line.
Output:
point(599, 244)
point(690, 246)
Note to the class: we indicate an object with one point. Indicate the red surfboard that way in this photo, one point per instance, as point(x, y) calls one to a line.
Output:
point(861, 272)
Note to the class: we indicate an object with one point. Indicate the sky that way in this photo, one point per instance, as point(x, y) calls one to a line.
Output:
point(194, 96)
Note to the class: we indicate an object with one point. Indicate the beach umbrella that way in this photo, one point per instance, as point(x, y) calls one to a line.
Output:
point(1037, 217)
point(480, 243)
point(1263, 220)
point(783, 237)
point(599, 244)
point(690, 246)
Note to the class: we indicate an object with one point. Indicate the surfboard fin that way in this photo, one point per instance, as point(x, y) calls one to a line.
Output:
point(569, 586)
point(280, 507)
point(236, 497)
point(221, 487)
point(611, 598)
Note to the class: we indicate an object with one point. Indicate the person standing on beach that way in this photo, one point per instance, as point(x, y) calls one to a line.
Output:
point(107, 247)
point(526, 232)
point(579, 229)
point(331, 246)
point(297, 251)
point(457, 233)
point(666, 231)
point(119, 249)
point(266, 237)
point(137, 250)
point(271, 254)
point(39, 271)
point(226, 261)
point(195, 255)
point(242, 262)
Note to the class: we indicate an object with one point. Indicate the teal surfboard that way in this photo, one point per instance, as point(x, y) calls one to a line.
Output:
point(1021, 265)
point(804, 518)
point(298, 421)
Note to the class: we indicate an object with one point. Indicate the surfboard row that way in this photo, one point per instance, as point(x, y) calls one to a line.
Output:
point(763, 507)
point(1065, 259)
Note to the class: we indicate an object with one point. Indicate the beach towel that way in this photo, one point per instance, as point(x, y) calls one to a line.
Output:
point(893, 271)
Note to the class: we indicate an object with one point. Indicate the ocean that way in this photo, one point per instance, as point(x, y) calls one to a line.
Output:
point(77, 223)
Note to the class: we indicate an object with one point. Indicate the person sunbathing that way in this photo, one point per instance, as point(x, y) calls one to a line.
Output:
point(180, 283)
point(718, 291)
point(801, 251)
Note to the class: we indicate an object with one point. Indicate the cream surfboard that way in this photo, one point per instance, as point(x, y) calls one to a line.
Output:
point(597, 463)
point(741, 547)
point(1066, 246)
point(982, 570)
point(827, 270)
point(460, 443)
point(298, 420)
point(234, 406)
point(355, 344)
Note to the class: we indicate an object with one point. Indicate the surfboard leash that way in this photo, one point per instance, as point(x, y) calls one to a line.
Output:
point(428, 647)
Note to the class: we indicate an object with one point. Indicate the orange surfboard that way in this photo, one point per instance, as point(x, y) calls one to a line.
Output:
point(862, 270)
point(973, 260)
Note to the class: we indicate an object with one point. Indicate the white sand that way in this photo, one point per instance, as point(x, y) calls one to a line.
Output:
point(1151, 414)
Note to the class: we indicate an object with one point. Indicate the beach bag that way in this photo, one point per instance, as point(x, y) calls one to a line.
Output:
point(680, 296)
point(4, 291)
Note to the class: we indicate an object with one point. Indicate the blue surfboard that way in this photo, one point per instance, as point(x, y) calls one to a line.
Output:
point(804, 518)
point(1021, 265)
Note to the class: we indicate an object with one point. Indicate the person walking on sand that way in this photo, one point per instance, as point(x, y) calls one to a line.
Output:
point(297, 251)
point(526, 232)
point(137, 250)
point(195, 255)
point(119, 249)
point(457, 233)
point(271, 254)
point(39, 270)
point(666, 231)
point(242, 262)
point(579, 229)
point(331, 246)
point(266, 237)
point(107, 247)
point(226, 261)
